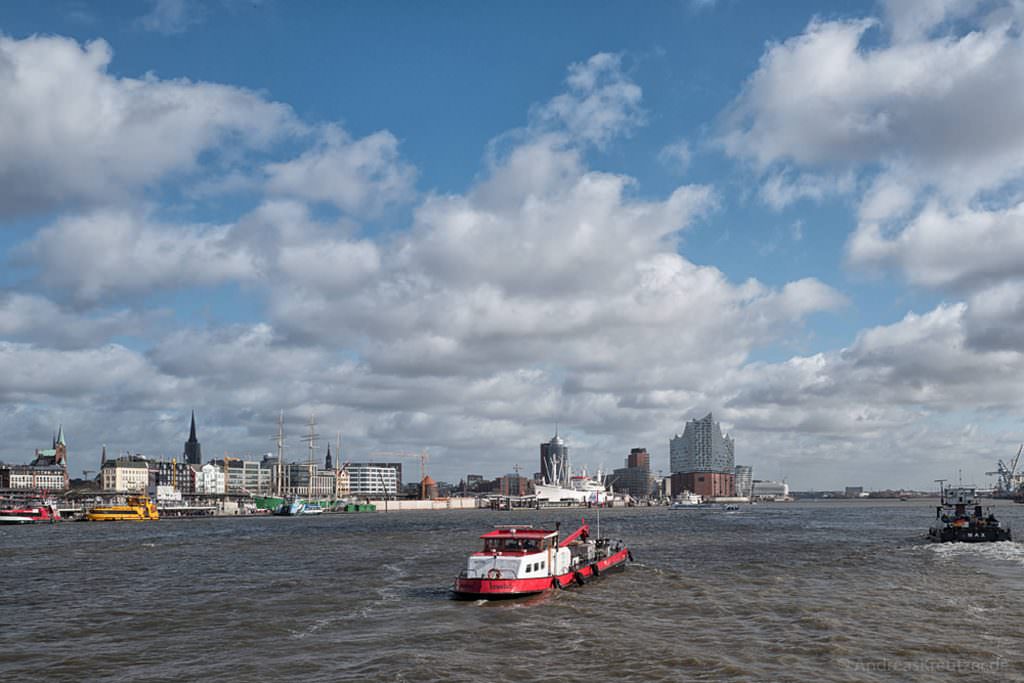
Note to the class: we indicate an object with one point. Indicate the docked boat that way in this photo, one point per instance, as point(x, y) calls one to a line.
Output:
point(960, 519)
point(521, 560)
point(29, 514)
point(135, 509)
point(312, 509)
point(582, 490)
point(290, 508)
point(687, 500)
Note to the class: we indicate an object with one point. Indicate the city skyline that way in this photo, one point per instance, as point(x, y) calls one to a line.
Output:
point(432, 233)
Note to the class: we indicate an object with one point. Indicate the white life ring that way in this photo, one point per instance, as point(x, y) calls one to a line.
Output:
point(494, 573)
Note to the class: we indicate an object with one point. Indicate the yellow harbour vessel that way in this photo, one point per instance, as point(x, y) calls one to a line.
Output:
point(137, 509)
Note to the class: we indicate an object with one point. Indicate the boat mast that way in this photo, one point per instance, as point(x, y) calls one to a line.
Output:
point(280, 454)
point(311, 440)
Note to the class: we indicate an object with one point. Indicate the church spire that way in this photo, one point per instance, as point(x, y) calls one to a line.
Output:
point(327, 461)
point(193, 451)
point(60, 437)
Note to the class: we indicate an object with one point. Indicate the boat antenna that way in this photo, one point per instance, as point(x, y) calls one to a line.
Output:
point(942, 491)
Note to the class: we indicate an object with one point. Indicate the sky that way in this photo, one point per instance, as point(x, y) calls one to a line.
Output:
point(451, 226)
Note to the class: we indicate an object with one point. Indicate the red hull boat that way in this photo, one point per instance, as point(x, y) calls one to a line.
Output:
point(521, 560)
point(28, 514)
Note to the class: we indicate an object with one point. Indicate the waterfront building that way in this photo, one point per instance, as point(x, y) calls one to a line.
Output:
point(308, 480)
point(193, 451)
point(373, 479)
point(180, 475)
point(554, 462)
point(770, 490)
point(702, 459)
point(210, 479)
point(514, 485)
point(47, 471)
point(744, 480)
point(854, 492)
point(245, 477)
point(125, 474)
point(635, 478)
point(33, 477)
point(639, 457)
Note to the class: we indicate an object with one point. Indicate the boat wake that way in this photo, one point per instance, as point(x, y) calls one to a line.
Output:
point(1006, 551)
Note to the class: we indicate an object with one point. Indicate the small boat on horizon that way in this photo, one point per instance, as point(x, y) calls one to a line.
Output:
point(520, 560)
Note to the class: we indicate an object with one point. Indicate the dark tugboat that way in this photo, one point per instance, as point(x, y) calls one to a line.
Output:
point(959, 519)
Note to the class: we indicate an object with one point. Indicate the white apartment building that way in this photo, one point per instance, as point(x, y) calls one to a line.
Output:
point(210, 480)
point(370, 480)
point(125, 476)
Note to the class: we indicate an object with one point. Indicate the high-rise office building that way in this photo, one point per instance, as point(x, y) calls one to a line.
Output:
point(635, 478)
point(639, 457)
point(554, 462)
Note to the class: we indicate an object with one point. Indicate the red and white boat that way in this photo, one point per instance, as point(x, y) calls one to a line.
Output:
point(522, 560)
point(28, 514)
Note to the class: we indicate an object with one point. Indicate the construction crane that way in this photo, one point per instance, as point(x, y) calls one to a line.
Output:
point(1007, 475)
point(423, 457)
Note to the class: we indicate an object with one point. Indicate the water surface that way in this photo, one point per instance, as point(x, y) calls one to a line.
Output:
point(818, 591)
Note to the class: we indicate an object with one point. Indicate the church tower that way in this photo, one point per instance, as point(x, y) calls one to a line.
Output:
point(60, 449)
point(327, 461)
point(193, 451)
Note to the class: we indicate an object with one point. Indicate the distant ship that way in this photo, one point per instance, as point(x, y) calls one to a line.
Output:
point(584, 491)
point(687, 500)
point(136, 509)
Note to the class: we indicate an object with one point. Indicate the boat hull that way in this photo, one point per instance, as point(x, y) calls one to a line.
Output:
point(16, 519)
point(968, 535)
point(497, 589)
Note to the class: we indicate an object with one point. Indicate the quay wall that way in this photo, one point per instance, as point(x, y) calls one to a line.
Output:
point(438, 504)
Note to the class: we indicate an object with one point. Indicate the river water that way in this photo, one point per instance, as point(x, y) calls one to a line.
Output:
point(817, 591)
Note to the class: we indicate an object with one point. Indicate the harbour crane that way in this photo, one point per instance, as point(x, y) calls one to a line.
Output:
point(1007, 475)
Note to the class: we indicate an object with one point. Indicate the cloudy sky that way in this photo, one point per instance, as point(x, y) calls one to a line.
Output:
point(450, 226)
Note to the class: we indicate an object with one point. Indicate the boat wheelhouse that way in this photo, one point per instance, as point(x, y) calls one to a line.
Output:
point(521, 560)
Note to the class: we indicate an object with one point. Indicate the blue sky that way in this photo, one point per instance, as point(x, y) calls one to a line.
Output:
point(449, 225)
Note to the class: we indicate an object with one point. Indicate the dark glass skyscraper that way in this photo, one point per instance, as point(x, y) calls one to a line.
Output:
point(193, 451)
point(554, 462)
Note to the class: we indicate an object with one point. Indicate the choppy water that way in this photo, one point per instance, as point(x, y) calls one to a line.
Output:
point(798, 592)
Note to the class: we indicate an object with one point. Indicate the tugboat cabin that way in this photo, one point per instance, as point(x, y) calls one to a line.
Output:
point(516, 552)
